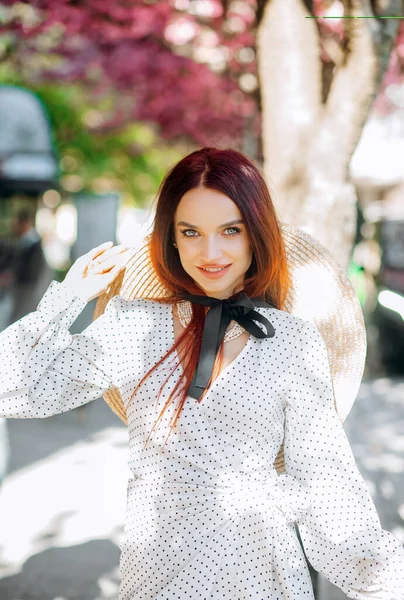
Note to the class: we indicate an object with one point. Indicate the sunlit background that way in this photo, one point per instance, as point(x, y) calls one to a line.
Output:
point(97, 101)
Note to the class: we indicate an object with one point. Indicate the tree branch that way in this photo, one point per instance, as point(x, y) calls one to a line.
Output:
point(353, 89)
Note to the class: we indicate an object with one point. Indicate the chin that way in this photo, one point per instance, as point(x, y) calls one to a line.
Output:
point(226, 291)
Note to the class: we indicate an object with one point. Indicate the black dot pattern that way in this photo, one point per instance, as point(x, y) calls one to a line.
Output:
point(208, 517)
point(341, 533)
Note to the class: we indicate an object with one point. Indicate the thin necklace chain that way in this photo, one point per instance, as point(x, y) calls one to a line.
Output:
point(184, 309)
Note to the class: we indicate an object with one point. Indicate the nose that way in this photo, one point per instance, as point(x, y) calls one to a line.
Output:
point(210, 248)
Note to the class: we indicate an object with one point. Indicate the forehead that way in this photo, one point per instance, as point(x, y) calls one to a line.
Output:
point(206, 206)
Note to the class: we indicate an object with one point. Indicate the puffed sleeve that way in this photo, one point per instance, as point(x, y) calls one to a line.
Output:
point(44, 369)
point(341, 533)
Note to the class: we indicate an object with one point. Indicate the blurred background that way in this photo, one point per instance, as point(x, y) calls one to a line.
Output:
point(97, 101)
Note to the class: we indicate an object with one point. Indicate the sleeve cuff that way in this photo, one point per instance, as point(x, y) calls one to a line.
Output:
point(60, 302)
point(367, 566)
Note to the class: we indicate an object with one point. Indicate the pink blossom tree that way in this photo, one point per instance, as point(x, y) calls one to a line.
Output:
point(264, 76)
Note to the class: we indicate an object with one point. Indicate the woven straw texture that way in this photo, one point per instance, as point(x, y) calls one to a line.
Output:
point(320, 293)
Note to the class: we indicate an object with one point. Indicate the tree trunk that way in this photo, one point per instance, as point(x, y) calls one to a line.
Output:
point(308, 140)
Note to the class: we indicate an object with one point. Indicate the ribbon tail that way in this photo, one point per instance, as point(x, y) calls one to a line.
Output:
point(214, 331)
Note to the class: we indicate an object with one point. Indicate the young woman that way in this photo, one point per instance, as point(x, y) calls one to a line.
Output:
point(208, 515)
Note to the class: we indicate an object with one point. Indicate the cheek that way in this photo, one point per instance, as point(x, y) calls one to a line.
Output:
point(246, 250)
point(184, 248)
point(186, 252)
point(248, 254)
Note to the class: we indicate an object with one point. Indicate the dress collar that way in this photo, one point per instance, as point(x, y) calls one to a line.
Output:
point(218, 317)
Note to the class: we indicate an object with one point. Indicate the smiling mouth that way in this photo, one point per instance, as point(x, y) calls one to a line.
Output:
point(213, 269)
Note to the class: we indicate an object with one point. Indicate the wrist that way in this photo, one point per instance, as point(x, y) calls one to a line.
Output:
point(73, 291)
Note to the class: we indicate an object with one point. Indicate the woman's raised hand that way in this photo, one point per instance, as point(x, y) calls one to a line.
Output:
point(92, 274)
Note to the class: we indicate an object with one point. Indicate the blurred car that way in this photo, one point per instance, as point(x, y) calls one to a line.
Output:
point(389, 311)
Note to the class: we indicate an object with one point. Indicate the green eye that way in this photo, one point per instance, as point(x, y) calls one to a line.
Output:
point(185, 232)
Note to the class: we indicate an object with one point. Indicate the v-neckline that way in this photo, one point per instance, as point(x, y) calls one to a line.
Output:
point(223, 372)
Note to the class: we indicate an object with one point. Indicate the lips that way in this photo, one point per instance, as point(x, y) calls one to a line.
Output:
point(215, 274)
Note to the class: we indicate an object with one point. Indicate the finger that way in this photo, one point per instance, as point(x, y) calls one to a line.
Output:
point(111, 252)
point(108, 254)
point(117, 270)
point(112, 274)
point(106, 282)
point(100, 249)
point(125, 255)
point(119, 260)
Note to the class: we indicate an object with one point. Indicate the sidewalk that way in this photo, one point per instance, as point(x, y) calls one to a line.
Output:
point(62, 505)
point(375, 429)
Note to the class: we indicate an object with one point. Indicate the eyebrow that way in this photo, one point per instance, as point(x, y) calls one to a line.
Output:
point(234, 222)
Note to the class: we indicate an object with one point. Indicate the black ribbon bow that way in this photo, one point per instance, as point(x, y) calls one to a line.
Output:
point(218, 317)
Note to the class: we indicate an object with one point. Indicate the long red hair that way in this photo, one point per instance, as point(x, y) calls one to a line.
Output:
point(233, 174)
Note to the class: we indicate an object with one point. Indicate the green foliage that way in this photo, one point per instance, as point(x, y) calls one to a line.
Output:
point(95, 155)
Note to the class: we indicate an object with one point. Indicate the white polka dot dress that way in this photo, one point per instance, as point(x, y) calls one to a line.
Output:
point(209, 518)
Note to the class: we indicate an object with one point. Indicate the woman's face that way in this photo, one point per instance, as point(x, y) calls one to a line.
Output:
point(209, 232)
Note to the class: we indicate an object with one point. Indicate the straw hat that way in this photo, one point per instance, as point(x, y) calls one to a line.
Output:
point(321, 293)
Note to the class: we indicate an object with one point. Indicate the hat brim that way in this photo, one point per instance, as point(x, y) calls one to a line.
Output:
point(322, 294)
